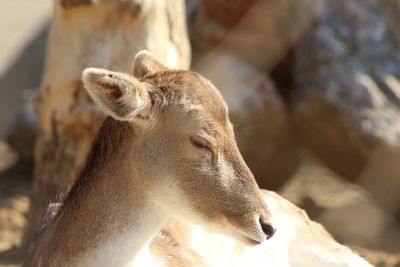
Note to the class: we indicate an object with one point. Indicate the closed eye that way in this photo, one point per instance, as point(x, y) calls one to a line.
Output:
point(200, 143)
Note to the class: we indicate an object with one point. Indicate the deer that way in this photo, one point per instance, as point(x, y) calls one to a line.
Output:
point(166, 150)
point(165, 185)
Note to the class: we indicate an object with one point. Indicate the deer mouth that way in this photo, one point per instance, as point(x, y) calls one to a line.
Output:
point(252, 237)
point(248, 240)
point(245, 237)
point(256, 233)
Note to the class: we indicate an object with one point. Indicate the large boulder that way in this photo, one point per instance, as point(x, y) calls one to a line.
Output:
point(347, 210)
point(347, 73)
point(258, 31)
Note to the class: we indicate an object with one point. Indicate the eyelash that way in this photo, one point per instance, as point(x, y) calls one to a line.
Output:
point(200, 144)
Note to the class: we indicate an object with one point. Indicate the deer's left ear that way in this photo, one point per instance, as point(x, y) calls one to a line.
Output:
point(145, 63)
point(119, 95)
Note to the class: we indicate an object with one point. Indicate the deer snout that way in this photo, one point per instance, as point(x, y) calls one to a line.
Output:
point(267, 226)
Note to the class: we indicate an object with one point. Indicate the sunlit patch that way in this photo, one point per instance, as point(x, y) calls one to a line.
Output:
point(393, 83)
point(368, 83)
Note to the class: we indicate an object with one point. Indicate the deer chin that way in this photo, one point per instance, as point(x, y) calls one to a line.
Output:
point(250, 236)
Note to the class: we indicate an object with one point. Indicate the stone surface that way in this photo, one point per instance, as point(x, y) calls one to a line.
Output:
point(349, 212)
point(259, 117)
point(257, 31)
point(347, 74)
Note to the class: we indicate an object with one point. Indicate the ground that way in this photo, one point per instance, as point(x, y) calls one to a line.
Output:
point(14, 203)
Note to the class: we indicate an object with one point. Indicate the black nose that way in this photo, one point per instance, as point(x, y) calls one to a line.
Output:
point(267, 228)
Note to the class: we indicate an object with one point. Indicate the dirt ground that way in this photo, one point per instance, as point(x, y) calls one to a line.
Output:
point(15, 181)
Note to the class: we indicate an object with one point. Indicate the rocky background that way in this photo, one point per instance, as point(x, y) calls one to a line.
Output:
point(313, 88)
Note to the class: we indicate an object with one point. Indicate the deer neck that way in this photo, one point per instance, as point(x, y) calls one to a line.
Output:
point(127, 233)
point(107, 217)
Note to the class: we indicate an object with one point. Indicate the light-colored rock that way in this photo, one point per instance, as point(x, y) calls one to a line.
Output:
point(379, 258)
point(257, 31)
point(298, 242)
point(347, 75)
point(348, 211)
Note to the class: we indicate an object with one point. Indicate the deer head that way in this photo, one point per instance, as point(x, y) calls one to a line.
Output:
point(183, 147)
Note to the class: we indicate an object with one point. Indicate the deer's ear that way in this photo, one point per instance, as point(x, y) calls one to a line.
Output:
point(145, 63)
point(120, 96)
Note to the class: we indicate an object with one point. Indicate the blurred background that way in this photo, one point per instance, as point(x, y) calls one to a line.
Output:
point(313, 88)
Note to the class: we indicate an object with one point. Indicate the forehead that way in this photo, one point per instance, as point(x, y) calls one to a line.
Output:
point(191, 91)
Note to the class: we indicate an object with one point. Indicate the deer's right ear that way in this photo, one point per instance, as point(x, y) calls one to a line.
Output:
point(145, 63)
point(120, 96)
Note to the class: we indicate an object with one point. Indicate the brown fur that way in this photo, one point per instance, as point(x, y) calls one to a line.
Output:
point(149, 163)
point(83, 214)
